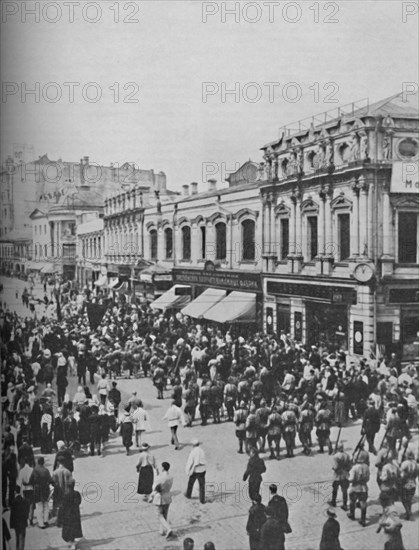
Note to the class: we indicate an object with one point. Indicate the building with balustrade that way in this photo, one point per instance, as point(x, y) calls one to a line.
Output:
point(340, 228)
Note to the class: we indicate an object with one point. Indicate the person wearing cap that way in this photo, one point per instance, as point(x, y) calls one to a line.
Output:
point(274, 429)
point(162, 498)
point(330, 533)
point(196, 469)
point(371, 425)
point(409, 471)
point(255, 468)
point(359, 476)
point(341, 467)
point(126, 431)
point(114, 397)
point(323, 422)
point(240, 417)
point(255, 521)
point(289, 429)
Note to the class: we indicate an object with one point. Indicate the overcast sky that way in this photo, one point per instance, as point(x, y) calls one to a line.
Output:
point(369, 51)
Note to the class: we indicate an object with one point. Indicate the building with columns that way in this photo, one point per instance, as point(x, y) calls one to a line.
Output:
point(340, 228)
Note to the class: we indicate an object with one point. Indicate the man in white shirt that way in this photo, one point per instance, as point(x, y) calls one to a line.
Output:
point(196, 469)
point(26, 489)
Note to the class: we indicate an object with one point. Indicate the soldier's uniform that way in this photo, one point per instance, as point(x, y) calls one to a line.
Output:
point(251, 430)
point(262, 414)
point(371, 425)
point(359, 476)
point(394, 428)
point(323, 423)
point(383, 456)
point(341, 466)
point(230, 398)
point(240, 417)
point(274, 432)
point(204, 404)
point(216, 400)
point(305, 429)
point(289, 428)
point(409, 471)
point(389, 482)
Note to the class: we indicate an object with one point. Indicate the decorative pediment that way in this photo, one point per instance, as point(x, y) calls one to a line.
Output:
point(405, 202)
point(246, 212)
point(309, 205)
point(341, 201)
point(282, 209)
point(358, 124)
point(199, 219)
point(324, 134)
point(182, 221)
point(216, 217)
point(165, 223)
point(150, 226)
point(295, 142)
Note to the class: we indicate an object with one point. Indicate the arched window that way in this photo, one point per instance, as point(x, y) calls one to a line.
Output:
point(186, 243)
point(153, 244)
point(168, 243)
point(248, 240)
point(221, 244)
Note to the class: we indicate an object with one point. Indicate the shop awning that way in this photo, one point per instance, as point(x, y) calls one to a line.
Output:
point(172, 300)
point(35, 266)
point(102, 281)
point(204, 302)
point(237, 307)
point(122, 286)
point(114, 282)
point(48, 269)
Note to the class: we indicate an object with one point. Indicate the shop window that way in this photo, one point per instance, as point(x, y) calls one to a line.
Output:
point(186, 243)
point(285, 237)
point(221, 244)
point(168, 241)
point(203, 242)
point(344, 236)
point(153, 244)
point(312, 237)
point(408, 237)
point(248, 240)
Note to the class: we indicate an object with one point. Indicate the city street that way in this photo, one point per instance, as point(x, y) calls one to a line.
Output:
point(115, 517)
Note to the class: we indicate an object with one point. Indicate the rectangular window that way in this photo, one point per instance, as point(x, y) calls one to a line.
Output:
point(344, 236)
point(203, 242)
point(285, 237)
point(312, 237)
point(408, 237)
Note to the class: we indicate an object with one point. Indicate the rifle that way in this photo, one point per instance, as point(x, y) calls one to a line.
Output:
point(337, 441)
point(384, 438)
point(358, 448)
point(404, 452)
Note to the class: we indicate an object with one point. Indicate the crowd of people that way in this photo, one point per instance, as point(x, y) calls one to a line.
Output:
point(272, 390)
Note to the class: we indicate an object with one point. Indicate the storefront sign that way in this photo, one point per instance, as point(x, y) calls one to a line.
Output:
point(405, 177)
point(229, 280)
point(331, 294)
point(162, 277)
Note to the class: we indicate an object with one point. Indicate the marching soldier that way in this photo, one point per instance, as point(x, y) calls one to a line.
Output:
point(262, 414)
point(341, 467)
point(230, 398)
point(204, 402)
point(240, 417)
point(409, 471)
point(371, 425)
point(305, 427)
point(394, 427)
point(274, 432)
point(359, 476)
point(216, 400)
point(289, 423)
point(251, 429)
point(383, 455)
point(191, 399)
point(364, 454)
point(323, 423)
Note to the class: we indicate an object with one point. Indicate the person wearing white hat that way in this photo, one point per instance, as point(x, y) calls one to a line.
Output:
point(196, 469)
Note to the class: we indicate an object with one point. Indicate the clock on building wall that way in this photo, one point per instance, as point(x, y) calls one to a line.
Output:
point(408, 148)
point(364, 272)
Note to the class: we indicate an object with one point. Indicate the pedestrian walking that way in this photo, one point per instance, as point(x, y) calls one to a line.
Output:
point(409, 471)
point(103, 388)
point(145, 468)
point(330, 533)
point(140, 421)
point(26, 487)
point(126, 431)
point(114, 397)
point(162, 498)
point(174, 417)
point(255, 521)
point(341, 466)
point(358, 490)
point(255, 468)
point(19, 512)
point(71, 520)
point(279, 508)
point(240, 417)
point(272, 536)
point(196, 469)
point(41, 480)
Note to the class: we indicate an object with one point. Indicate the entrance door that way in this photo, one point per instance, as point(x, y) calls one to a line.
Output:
point(327, 324)
point(283, 312)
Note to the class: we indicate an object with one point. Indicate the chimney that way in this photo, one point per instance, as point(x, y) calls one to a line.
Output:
point(212, 185)
point(185, 190)
point(86, 160)
point(194, 188)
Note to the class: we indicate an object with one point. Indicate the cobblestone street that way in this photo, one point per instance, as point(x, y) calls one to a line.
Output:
point(115, 517)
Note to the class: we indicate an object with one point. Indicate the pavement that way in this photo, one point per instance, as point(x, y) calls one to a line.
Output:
point(115, 517)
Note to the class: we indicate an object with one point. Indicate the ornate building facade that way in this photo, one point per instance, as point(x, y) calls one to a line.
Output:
point(340, 228)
